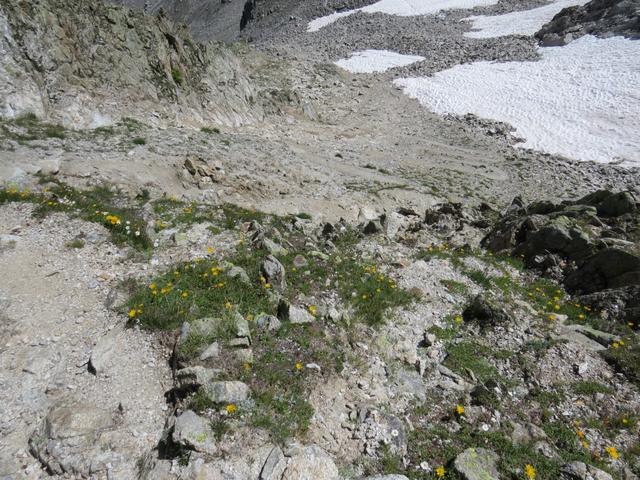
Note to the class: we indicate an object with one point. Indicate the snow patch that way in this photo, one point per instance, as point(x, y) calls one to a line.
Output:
point(580, 100)
point(371, 61)
point(402, 8)
point(526, 22)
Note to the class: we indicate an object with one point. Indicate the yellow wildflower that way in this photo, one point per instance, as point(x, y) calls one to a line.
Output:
point(228, 305)
point(132, 313)
point(185, 294)
point(615, 345)
point(210, 250)
point(298, 366)
point(458, 319)
point(556, 307)
point(312, 309)
point(613, 452)
point(585, 444)
point(552, 317)
point(460, 410)
point(530, 471)
point(440, 471)
point(231, 408)
point(580, 434)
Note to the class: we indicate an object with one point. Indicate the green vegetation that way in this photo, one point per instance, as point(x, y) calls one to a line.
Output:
point(590, 388)
point(28, 127)
point(99, 205)
point(471, 356)
point(455, 287)
point(625, 358)
point(176, 74)
point(210, 130)
point(139, 141)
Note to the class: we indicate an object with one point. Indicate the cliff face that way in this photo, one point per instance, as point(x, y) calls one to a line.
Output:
point(207, 19)
point(86, 64)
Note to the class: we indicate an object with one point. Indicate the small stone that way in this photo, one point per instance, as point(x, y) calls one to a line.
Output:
point(300, 261)
point(242, 342)
point(238, 272)
point(180, 239)
point(311, 463)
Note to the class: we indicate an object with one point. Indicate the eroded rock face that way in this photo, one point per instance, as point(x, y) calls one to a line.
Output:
point(125, 64)
point(74, 439)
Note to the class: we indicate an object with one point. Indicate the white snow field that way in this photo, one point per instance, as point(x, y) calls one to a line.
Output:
point(403, 8)
point(372, 61)
point(526, 22)
point(581, 100)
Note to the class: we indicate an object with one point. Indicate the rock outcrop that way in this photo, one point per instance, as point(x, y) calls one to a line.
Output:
point(589, 244)
point(86, 64)
point(604, 18)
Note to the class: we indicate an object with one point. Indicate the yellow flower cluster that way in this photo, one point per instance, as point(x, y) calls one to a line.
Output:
point(530, 471)
point(113, 219)
point(264, 283)
point(440, 471)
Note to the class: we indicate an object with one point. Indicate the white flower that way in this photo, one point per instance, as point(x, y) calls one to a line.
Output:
point(137, 233)
point(425, 466)
point(394, 433)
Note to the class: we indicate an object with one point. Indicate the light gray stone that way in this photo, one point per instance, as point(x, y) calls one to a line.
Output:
point(212, 351)
point(273, 272)
point(268, 322)
point(194, 432)
point(311, 463)
point(226, 392)
point(274, 466)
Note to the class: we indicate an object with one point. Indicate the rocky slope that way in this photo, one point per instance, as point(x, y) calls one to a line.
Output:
point(86, 64)
point(306, 349)
point(262, 267)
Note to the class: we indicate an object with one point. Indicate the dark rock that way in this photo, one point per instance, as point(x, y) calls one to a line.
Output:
point(607, 269)
point(604, 18)
point(484, 312)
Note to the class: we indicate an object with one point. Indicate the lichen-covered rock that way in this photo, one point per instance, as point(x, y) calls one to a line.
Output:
point(194, 432)
point(477, 464)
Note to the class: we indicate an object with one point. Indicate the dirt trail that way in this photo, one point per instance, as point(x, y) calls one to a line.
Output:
point(54, 313)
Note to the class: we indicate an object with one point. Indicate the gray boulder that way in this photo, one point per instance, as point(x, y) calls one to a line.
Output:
point(273, 271)
point(194, 433)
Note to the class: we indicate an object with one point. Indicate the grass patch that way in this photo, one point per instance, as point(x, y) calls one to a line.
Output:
point(139, 141)
point(210, 130)
point(625, 358)
point(199, 289)
point(76, 243)
point(98, 205)
point(471, 356)
point(28, 127)
point(176, 74)
point(590, 388)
